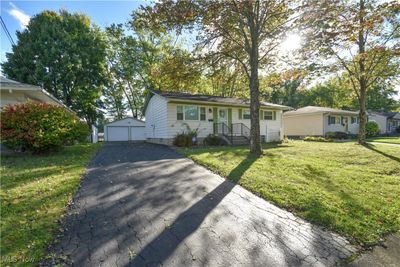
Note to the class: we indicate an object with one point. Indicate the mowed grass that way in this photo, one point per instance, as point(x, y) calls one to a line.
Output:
point(389, 140)
point(35, 189)
point(348, 188)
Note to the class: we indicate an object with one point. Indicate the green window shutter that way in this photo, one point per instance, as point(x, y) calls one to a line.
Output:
point(274, 115)
point(229, 117)
point(240, 113)
point(261, 115)
point(329, 120)
point(215, 115)
point(215, 119)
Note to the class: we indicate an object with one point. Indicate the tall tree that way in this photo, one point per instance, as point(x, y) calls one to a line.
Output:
point(247, 31)
point(63, 53)
point(143, 61)
point(283, 88)
point(362, 37)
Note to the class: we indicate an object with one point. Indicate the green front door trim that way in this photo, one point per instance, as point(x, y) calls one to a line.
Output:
point(215, 119)
point(229, 117)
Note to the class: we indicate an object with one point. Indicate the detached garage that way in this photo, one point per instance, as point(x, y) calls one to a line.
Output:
point(127, 129)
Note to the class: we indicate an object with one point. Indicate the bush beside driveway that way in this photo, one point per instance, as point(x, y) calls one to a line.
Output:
point(351, 189)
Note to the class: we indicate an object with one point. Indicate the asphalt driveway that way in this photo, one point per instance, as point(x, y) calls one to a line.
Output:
point(146, 205)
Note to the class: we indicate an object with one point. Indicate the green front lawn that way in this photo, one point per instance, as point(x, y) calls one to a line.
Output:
point(389, 140)
point(35, 190)
point(348, 188)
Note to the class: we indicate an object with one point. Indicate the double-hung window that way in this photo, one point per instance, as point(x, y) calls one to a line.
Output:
point(269, 115)
point(331, 120)
point(202, 113)
point(179, 113)
point(189, 113)
point(246, 114)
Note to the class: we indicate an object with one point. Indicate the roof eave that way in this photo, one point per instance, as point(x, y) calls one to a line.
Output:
point(172, 99)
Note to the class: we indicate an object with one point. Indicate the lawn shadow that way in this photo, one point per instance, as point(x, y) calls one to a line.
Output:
point(242, 167)
point(373, 148)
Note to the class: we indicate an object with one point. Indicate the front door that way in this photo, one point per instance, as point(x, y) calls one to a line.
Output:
point(346, 123)
point(223, 116)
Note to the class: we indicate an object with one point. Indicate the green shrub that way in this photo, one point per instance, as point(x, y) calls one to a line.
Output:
point(317, 139)
point(398, 129)
point(214, 140)
point(40, 127)
point(337, 135)
point(371, 128)
point(185, 139)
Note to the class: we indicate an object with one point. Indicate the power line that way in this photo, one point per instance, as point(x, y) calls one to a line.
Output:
point(4, 26)
point(31, 71)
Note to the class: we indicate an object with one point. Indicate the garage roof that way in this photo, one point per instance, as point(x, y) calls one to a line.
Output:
point(129, 121)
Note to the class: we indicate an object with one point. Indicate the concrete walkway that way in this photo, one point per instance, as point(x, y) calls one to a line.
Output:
point(385, 255)
point(380, 143)
point(146, 205)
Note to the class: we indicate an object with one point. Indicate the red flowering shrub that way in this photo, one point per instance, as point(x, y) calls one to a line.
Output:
point(40, 127)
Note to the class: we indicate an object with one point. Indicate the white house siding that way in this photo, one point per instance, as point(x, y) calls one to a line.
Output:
point(381, 120)
point(303, 125)
point(204, 128)
point(352, 128)
point(8, 98)
point(175, 126)
point(275, 127)
point(156, 119)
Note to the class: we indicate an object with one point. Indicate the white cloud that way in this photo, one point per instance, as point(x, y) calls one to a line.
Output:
point(19, 15)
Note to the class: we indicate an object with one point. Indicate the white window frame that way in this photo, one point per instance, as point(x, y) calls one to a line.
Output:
point(182, 112)
point(265, 116)
point(184, 107)
point(244, 111)
point(201, 113)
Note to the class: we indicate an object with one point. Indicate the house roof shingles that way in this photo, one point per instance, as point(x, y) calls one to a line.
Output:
point(314, 110)
point(215, 99)
point(11, 84)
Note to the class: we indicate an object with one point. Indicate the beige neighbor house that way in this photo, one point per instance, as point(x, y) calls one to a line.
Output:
point(168, 114)
point(388, 121)
point(13, 92)
point(317, 121)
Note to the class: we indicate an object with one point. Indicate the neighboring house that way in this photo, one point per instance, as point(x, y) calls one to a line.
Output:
point(387, 121)
point(127, 129)
point(168, 114)
point(317, 121)
point(13, 92)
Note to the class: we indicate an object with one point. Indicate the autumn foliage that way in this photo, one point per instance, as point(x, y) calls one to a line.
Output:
point(40, 127)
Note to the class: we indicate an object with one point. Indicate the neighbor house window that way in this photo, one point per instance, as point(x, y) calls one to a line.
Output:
point(354, 120)
point(179, 113)
point(246, 114)
point(191, 113)
point(270, 115)
point(202, 113)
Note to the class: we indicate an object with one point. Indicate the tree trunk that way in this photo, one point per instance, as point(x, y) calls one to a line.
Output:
point(363, 117)
point(255, 140)
point(362, 80)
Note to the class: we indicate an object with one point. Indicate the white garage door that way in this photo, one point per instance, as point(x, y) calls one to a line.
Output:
point(120, 133)
point(137, 133)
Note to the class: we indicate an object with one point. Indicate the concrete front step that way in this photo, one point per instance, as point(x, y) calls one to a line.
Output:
point(239, 140)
